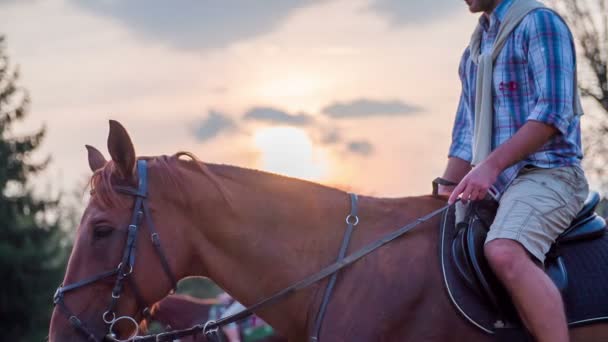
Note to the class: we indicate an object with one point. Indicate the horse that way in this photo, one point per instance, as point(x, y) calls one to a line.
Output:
point(180, 311)
point(253, 233)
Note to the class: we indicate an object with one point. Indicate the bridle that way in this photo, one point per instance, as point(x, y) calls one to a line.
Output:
point(124, 269)
point(210, 328)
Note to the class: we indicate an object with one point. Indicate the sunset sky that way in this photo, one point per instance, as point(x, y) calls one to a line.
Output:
point(355, 93)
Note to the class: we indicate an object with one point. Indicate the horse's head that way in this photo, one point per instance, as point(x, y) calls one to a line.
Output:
point(128, 252)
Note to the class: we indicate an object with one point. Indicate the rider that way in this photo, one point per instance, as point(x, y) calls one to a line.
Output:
point(528, 156)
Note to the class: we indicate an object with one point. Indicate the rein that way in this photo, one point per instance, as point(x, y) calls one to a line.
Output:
point(210, 328)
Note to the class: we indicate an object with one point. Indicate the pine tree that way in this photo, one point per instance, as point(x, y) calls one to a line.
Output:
point(32, 251)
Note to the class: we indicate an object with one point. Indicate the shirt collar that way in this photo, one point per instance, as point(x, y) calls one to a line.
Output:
point(497, 16)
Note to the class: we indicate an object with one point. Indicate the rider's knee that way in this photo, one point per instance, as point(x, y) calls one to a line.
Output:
point(504, 256)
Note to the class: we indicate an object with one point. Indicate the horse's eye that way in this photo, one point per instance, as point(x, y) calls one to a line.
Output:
point(100, 232)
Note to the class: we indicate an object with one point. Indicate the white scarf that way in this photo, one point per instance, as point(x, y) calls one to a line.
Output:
point(484, 110)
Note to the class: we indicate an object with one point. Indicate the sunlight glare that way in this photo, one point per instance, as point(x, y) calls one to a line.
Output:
point(291, 85)
point(289, 151)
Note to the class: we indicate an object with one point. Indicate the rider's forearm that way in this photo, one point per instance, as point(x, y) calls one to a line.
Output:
point(456, 170)
point(527, 140)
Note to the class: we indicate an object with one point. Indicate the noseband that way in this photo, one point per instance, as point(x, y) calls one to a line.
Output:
point(124, 269)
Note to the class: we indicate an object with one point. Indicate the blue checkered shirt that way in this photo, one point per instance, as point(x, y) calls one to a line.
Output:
point(532, 80)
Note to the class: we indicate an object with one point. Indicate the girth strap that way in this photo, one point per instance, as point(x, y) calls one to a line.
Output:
point(352, 220)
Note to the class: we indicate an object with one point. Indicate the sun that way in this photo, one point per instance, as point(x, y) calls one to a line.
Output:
point(289, 151)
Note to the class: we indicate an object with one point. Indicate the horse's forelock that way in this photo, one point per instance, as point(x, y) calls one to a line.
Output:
point(102, 189)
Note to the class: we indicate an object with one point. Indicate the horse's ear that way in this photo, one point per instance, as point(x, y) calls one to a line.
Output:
point(121, 149)
point(96, 159)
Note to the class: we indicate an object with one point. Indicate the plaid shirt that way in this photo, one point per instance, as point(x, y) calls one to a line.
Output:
point(532, 80)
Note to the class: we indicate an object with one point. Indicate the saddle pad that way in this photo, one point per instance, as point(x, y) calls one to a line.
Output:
point(585, 297)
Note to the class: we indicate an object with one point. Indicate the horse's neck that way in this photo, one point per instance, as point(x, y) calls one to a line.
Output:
point(277, 231)
point(281, 230)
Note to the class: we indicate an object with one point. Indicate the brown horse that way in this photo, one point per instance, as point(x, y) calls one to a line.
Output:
point(255, 233)
point(182, 311)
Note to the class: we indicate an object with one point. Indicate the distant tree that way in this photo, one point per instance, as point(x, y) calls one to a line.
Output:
point(32, 246)
point(588, 20)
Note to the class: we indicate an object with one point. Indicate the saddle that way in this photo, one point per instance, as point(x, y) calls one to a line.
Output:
point(577, 263)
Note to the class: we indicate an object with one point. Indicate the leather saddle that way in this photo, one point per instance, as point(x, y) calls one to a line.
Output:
point(469, 278)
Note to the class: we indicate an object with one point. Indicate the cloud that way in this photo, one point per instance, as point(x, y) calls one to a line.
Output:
point(214, 124)
point(272, 115)
point(330, 137)
point(400, 12)
point(360, 147)
point(3, 2)
point(196, 24)
point(366, 108)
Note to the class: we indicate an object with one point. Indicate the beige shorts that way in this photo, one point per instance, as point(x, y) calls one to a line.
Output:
point(538, 206)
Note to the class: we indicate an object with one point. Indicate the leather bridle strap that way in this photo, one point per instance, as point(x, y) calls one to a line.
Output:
point(213, 326)
point(157, 246)
point(327, 271)
point(351, 220)
point(74, 321)
point(125, 267)
point(128, 258)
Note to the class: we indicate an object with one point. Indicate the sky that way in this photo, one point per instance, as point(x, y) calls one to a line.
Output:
point(358, 94)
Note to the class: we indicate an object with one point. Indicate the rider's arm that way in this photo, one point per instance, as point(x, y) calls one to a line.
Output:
point(461, 151)
point(528, 139)
point(455, 171)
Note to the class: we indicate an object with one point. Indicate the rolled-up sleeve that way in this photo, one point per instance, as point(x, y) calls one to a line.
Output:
point(462, 136)
point(551, 63)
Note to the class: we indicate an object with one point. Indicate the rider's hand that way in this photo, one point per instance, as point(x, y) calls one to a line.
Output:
point(474, 186)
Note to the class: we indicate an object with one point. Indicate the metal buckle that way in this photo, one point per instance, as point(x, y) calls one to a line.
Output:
point(155, 239)
point(205, 331)
point(58, 294)
point(119, 267)
point(133, 335)
point(130, 271)
point(107, 321)
point(352, 219)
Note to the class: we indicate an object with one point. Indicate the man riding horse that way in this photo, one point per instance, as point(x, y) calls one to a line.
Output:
point(517, 138)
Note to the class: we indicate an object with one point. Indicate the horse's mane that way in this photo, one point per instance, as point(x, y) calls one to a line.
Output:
point(102, 181)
